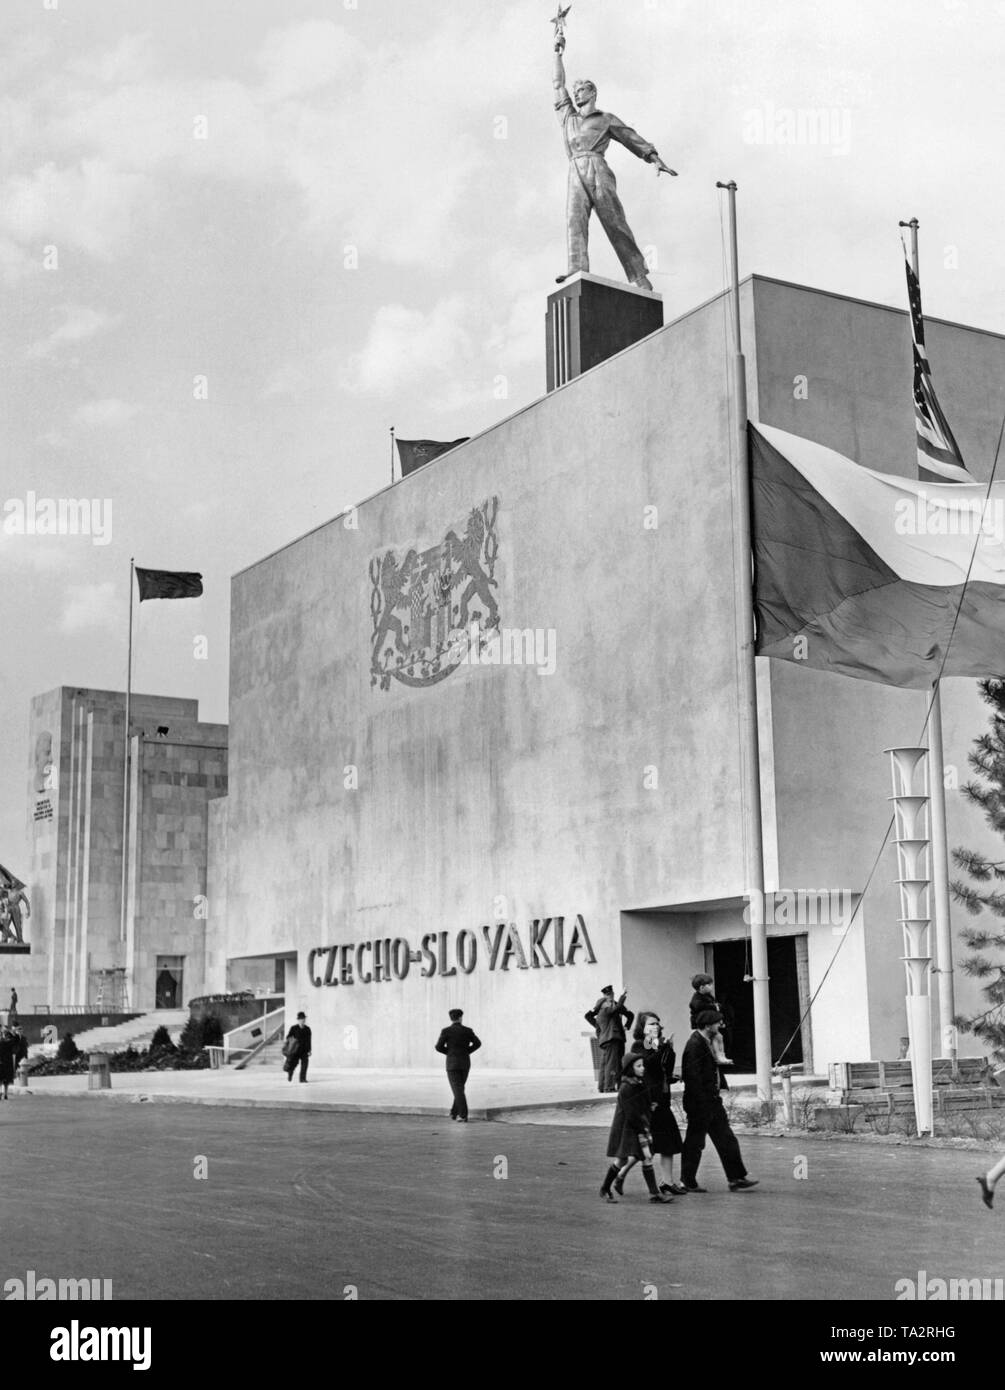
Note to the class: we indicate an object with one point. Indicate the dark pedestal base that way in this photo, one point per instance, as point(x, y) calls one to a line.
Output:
point(590, 319)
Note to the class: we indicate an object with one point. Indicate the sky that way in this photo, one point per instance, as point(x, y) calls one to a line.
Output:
point(241, 239)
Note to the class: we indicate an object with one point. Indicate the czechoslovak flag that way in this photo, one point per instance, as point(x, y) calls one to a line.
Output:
point(862, 573)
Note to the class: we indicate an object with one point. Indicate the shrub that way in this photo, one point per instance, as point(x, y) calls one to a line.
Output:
point(199, 1033)
point(68, 1051)
point(161, 1041)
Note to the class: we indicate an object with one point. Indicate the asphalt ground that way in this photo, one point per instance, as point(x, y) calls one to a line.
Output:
point(310, 1206)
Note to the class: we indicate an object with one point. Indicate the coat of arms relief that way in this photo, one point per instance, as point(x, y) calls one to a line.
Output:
point(424, 604)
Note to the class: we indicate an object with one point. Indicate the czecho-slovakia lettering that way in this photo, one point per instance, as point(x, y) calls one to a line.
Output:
point(440, 953)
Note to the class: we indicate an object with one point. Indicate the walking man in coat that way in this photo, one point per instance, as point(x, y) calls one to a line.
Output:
point(301, 1049)
point(612, 1018)
point(457, 1043)
point(704, 1109)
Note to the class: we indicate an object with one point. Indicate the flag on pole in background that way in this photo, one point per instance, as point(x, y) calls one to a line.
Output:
point(413, 453)
point(939, 457)
point(168, 584)
point(862, 573)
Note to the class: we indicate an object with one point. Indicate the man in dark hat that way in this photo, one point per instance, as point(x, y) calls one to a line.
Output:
point(298, 1048)
point(612, 1018)
point(704, 1109)
point(457, 1043)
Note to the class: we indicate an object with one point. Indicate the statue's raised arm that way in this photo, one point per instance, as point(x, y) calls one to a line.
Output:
point(562, 97)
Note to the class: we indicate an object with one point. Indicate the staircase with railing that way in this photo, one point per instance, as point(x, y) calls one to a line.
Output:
point(242, 1045)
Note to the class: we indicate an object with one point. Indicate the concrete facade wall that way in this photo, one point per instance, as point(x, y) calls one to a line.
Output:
point(609, 788)
point(177, 777)
point(216, 895)
point(499, 792)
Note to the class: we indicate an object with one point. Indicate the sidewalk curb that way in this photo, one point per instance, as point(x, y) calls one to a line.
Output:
point(250, 1103)
point(315, 1103)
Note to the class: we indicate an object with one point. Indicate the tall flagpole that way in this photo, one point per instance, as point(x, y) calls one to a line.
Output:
point(392, 453)
point(125, 761)
point(749, 743)
point(940, 851)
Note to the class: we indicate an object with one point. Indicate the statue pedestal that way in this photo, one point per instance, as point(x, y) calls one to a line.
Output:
point(590, 319)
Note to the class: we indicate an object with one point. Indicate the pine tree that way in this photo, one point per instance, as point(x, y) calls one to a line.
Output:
point(985, 943)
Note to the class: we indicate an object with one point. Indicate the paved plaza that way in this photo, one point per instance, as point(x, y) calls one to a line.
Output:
point(304, 1204)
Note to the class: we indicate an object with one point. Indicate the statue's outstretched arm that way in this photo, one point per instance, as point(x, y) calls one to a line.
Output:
point(633, 141)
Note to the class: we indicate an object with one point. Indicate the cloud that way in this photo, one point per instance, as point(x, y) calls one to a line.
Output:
point(15, 262)
point(404, 345)
point(41, 554)
point(88, 206)
point(90, 606)
point(305, 57)
point(328, 118)
point(79, 322)
point(104, 414)
point(128, 61)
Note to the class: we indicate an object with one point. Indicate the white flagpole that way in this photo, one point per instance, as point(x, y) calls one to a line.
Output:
point(940, 849)
point(125, 762)
point(745, 636)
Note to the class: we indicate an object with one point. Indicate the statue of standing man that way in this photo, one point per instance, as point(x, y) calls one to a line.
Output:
point(592, 186)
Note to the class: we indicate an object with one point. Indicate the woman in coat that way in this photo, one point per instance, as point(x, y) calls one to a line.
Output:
point(629, 1139)
point(659, 1060)
point(8, 1052)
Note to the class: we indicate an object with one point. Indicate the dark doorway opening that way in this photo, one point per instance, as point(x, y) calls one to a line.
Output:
point(730, 962)
point(168, 981)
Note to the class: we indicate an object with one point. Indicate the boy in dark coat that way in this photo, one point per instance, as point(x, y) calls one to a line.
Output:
point(702, 1001)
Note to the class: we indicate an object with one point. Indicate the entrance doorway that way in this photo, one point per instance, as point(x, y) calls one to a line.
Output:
point(168, 982)
point(730, 962)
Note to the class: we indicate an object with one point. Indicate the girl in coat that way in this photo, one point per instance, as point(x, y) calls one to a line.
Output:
point(659, 1060)
point(629, 1140)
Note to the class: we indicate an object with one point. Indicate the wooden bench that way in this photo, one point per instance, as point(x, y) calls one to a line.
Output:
point(885, 1087)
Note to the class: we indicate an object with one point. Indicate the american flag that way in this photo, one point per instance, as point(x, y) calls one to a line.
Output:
point(939, 457)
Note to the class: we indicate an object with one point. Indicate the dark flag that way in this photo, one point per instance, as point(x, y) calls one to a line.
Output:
point(939, 457)
point(168, 584)
point(413, 453)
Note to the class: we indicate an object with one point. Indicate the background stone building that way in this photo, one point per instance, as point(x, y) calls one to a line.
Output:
point(79, 954)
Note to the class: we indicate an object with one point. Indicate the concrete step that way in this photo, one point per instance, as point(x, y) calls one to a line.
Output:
point(270, 1056)
point(136, 1032)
